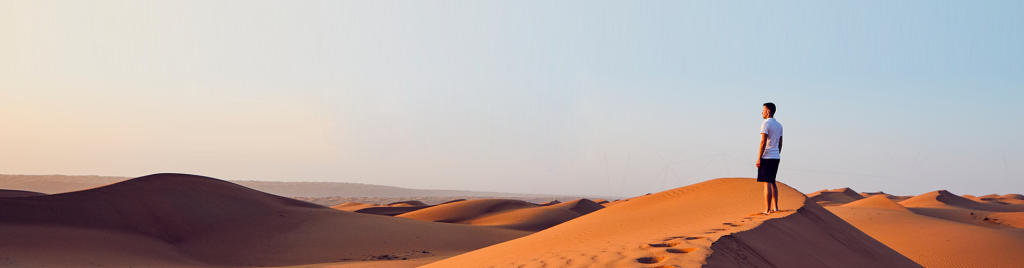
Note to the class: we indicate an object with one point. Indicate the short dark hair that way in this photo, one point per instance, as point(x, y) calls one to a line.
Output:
point(771, 108)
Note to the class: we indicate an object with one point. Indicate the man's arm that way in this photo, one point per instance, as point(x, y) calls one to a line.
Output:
point(764, 138)
point(780, 144)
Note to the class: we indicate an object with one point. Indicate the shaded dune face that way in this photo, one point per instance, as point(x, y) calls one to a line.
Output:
point(179, 220)
point(18, 193)
point(835, 197)
point(505, 213)
point(392, 209)
point(811, 237)
point(684, 226)
point(581, 206)
point(170, 207)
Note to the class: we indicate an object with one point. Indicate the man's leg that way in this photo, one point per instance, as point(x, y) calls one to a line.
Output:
point(768, 197)
point(775, 196)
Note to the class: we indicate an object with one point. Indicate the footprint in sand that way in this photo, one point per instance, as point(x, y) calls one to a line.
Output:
point(650, 260)
point(664, 245)
point(680, 250)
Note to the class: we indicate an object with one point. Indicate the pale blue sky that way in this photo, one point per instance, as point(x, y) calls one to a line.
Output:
point(565, 97)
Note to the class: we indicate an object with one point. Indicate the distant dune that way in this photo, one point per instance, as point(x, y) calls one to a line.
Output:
point(52, 184)
point(385, 210)
point(505, 213)
point(709, 224)
point(429, 200)
point(177, 220)
point(942, 230)
point(834, 197)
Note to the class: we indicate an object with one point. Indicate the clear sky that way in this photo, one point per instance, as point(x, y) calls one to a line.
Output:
point(614, 98)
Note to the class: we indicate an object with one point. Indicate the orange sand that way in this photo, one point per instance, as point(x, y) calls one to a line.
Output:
point(682, 227)
point(504, 213)
point(177, 220)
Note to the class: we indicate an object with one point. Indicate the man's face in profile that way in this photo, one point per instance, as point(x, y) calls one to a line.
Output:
point(764, 112)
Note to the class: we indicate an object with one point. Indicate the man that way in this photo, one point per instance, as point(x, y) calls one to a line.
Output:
point(768, 157)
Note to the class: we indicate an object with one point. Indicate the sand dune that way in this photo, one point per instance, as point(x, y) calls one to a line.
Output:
point(937, 243)
point(682, 227)
point(392, 209)
point(52, 184)
point(504, 213)
point(1011, 219)
point(18, 193)
point(948, 206)
point(1007, 199)
point(552, 202)
point(177, 220)
point(878, 201)
point(891, 197)
point(945, 199)
point(835, 197)
point(581, 206)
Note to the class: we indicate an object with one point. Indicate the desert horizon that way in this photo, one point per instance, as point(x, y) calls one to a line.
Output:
point(181, 220)
point(520, 134)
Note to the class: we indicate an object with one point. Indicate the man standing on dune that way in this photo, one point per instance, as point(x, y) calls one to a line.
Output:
point(768, 157)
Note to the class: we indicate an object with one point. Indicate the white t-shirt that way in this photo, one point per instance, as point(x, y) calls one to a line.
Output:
point(774, 131)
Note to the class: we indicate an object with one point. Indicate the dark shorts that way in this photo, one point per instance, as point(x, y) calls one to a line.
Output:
point(768, 169)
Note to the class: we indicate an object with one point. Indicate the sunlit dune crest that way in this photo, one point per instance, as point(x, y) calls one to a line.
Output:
point(709, 224)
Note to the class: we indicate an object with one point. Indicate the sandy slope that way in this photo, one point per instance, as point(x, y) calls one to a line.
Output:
point(878, 201)
point(392, 209)
point(941, 229)
point(935, 242)
point(504, 213)
point(891, 197)
point(945, 199)
point(18, 193)
point(185, 220)
point(835, 197)
point(681, 227)
point(581, 206)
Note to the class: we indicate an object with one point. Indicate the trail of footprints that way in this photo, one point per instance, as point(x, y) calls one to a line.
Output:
point(682, 249)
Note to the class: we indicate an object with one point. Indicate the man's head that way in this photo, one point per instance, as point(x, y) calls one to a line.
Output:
point(768, 111)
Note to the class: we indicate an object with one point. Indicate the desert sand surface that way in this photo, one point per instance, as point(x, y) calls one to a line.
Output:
point(709, 224)
point(834, 197)
point(18, 193)
point(392, 209)
point(178, 220)
point(504, 213)
point(429, 200)
point(940, 229)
